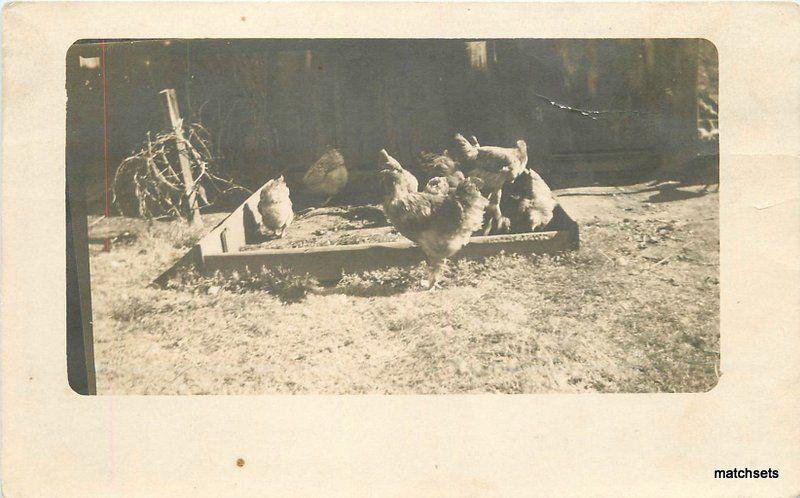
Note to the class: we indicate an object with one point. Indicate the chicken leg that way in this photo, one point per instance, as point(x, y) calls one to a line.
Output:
point(495, 221)
point(434, 273)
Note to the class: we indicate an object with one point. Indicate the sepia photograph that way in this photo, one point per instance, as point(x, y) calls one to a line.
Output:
point(392, 216)
point(400, 249)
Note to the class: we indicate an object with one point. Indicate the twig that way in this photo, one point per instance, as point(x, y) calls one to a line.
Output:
point(589, 113)
point(155, 182)
point(98, 220)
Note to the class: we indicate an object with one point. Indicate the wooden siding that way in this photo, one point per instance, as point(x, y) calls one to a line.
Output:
point(274, 105)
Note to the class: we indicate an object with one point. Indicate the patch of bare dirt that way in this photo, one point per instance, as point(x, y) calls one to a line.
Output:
point(345, 225)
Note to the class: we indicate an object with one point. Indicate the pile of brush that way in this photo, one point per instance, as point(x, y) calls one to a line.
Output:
point(152, 183)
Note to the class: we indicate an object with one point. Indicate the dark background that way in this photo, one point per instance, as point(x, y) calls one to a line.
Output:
point(275, 105)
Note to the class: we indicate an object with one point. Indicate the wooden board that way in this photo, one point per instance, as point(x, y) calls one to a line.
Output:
point(329, 263)
point(288, 100)
point(219, 250)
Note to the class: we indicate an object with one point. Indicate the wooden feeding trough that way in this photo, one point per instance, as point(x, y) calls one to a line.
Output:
point(221, 249)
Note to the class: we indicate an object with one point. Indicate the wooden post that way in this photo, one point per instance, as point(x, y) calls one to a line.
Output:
point(80, 344)
point(79, 338)
point(183, 157)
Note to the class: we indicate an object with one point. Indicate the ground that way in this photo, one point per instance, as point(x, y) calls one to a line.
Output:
point(338, 225)
point(636, 309)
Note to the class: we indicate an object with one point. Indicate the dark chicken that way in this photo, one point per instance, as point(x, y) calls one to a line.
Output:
point(439, 223)
point(437, 185)
point(528, 202)
point(443, 165)
point(327, 176)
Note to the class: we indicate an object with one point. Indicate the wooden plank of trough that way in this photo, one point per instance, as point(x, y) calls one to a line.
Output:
point(233, 230)
point(328, 263)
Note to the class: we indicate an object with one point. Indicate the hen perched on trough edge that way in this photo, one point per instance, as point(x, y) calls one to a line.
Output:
point(275, 206)
point(495, 166)
point(440, 224)
point(327, 176)
point(528, 202)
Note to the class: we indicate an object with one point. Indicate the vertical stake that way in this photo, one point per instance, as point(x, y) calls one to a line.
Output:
point(183, 155)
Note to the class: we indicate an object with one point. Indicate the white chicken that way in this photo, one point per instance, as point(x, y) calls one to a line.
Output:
point(275, 207)
point(409, 180)
point(495, 166)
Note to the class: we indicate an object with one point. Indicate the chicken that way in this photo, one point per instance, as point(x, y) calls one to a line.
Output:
point(327, 176)
point(440, 165)
point(528, 202)
point(495, 166)
point(455, 179)
point(275, 207)
point(434, 164)
point(443, 184)
point(437, 185)
point(409, 180)
point(440, 224)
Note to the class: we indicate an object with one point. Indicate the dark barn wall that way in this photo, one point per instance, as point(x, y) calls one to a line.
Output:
point(275, 105)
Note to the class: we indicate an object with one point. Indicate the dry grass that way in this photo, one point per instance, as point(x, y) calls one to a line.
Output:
point(635, 310)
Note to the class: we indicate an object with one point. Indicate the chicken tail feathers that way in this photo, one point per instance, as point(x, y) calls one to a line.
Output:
point(473, 204)
point(464, 148)
point(468, 194)
point(389, 161)
point(522, 147)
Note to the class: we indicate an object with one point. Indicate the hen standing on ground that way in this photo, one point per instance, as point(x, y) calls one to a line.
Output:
point(440, 224)
point(528, 202)
point(495, 166)
point(275, 207)
point(327, 176)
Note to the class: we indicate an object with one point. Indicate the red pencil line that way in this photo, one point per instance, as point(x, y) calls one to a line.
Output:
point(105, 146)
